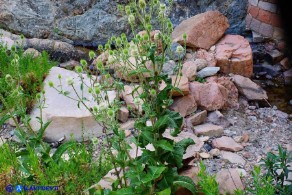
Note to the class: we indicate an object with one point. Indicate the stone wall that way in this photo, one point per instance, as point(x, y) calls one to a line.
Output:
point(264, 18)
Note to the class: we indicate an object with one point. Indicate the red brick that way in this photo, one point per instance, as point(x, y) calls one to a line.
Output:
point(253, 10)
point(264, 16)
point(275, 20)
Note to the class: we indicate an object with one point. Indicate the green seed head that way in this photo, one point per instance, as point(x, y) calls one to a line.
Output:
point(59, 76)
point(83, 62)
point(91, 55)
point(131, 19)
point(89, 90)
point(111, 113)
point(142, 4)
point(162, 6)
point(38, 96)
point(95, 109)
point(99, 65)
point(8, 78)
point(119, 41)
point(128, 10)
point(185, 36)
point(126, 52)
point(70, 81)
point(107, 46)
point(146, 37)
point(153, 92)
point(100, 47)
point(97, 90)
point(149, 27)
point(179, 49)
point(51, 84)
point(78, 69)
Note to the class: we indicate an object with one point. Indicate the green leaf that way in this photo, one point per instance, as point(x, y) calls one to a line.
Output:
point(21, 135)
point(168, 178)
point(165, 192)
point(41, 132)
point(61, 149)
point(164, 144)
point(176, 156)
point(4, 119)
point(154, 173)
point(186, 182)
point(169, 120)
point(123, 191)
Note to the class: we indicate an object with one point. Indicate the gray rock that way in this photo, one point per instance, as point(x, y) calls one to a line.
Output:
point(90, 22)
point(208, 71)
point(168, 67)
point(59, 50)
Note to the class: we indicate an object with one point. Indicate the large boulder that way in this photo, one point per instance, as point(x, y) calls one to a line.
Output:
point(203, 30)
point(209, 96)
point(65, 116)
point(90, 22)
point(248, 88)
point(234, 55)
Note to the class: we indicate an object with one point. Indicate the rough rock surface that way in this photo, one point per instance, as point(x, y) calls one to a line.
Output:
point(57, 49)
point(89, 22)
point(185, 105)
point(203, 30)
point(209, 96)
point(64, 113)
point(232, 157)
point(234, 55)
point(208, 129)
point(232, 100)
point(248, 88)
point(226, 143)
point(196, 119)
point(229, 180)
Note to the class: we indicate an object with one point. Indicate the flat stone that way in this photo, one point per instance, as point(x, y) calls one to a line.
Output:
point(208, 130)
point(64, 113)
point(204, 155)
point(249, 89)
point(229, 180)
point(208, 71)
point(196, 119)
point(232, 158)
point(226, 143)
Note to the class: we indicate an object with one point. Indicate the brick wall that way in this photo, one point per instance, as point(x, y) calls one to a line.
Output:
point(263, 18)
